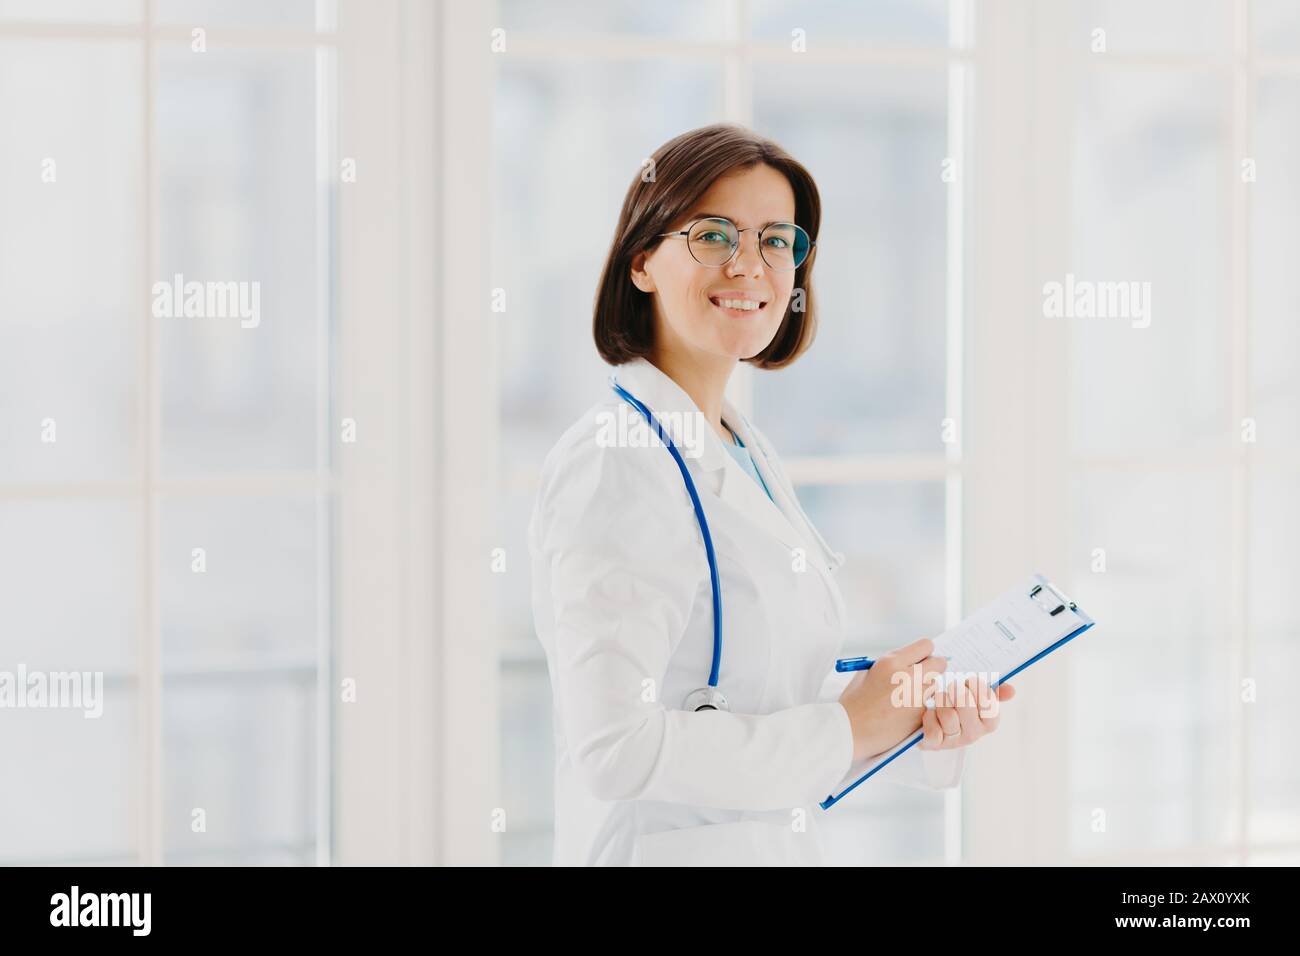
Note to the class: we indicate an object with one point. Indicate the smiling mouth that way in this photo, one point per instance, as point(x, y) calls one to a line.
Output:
point(738, 306)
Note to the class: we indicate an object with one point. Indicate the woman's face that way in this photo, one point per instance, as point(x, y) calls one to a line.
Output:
point(688, 316)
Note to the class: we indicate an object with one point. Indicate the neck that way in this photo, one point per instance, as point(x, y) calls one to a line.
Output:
point(704, 379)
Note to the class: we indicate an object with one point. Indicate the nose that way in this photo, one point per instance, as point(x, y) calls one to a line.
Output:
point(747, 260)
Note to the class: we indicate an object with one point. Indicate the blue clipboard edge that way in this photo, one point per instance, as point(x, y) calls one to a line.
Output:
point(833, 799)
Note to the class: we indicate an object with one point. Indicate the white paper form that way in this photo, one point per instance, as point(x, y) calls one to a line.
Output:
point(1003, 636)
point(999, 640)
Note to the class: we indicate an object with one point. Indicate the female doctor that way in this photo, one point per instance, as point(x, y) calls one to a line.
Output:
point(672, 746)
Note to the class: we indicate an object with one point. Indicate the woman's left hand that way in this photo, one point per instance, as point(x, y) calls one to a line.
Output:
point(966, 713)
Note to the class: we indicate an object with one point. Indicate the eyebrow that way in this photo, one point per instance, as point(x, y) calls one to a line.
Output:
point(716, 215)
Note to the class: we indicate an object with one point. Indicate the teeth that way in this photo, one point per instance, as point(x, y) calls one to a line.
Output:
point(743, 304)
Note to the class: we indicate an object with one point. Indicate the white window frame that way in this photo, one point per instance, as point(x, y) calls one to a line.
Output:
point(1031, 59)
point(148, 489)
point(417, 774)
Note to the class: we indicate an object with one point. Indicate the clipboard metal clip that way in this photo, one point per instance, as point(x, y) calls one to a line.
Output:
point(1051, 607)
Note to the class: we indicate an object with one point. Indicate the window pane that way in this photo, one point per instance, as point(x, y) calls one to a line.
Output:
point(1277, 26)
point(242, 749)
point(71, 272)
point(255, 599)
point(71, 10)
point(1274, 560)
point(874, 139)
point(247, 13)
point(892, 536)
point(527, 741)
point(513, 600)
point(73, 790)
point(527, 762)
point(1267, 857)
point(239, 658)
point(237, 166)
point(72, 584)
point(908, 22)
point(1275, 658)
point(1275, 250)
point(1155, 26)
point(549, 170)
point(679, 18)
point(1152, 715)
point(1146, 178)
point(884, 824)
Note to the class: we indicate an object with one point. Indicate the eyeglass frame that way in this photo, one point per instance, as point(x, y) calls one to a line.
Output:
point(812, 243)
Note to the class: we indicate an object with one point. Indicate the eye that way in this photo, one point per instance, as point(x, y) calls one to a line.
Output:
point(712, 235)
point(779, 242)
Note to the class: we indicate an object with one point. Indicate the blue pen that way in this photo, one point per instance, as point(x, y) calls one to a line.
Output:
point(853, 664)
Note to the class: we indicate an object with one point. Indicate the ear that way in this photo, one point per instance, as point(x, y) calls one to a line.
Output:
point(640, 277)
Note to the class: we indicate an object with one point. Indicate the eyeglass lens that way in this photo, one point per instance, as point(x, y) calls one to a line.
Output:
point(783, 245)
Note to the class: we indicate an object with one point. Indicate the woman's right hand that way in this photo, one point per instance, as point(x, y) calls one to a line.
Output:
point(878, 721)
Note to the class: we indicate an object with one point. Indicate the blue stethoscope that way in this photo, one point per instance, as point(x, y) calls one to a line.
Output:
point(709, 697)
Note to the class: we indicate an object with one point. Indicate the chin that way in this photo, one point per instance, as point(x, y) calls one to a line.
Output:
point(757, 343)
point(737, 344)
point(746, 349)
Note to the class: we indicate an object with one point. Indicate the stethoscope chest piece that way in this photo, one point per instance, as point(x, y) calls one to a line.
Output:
point(706, 698)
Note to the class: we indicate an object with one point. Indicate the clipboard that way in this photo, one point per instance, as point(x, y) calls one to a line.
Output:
point(1036, 613)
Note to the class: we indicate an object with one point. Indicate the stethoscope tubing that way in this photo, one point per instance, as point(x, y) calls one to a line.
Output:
point(704, 529)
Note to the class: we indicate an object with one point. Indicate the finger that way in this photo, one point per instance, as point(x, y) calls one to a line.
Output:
point(1006, 692)
point(929, 672)
point(990, 724)
point(921, 680)
point(913, 653)
point(933, 735)
point(990, 708)
point(949, 722)
point(953, 694)
point(955, 699)
point(988, 701)
point(968, 709)
point(934, 665)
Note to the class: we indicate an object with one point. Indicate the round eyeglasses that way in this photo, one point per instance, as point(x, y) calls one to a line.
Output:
point(784, 246)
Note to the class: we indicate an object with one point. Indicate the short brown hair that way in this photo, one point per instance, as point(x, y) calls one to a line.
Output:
point(683, 170)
